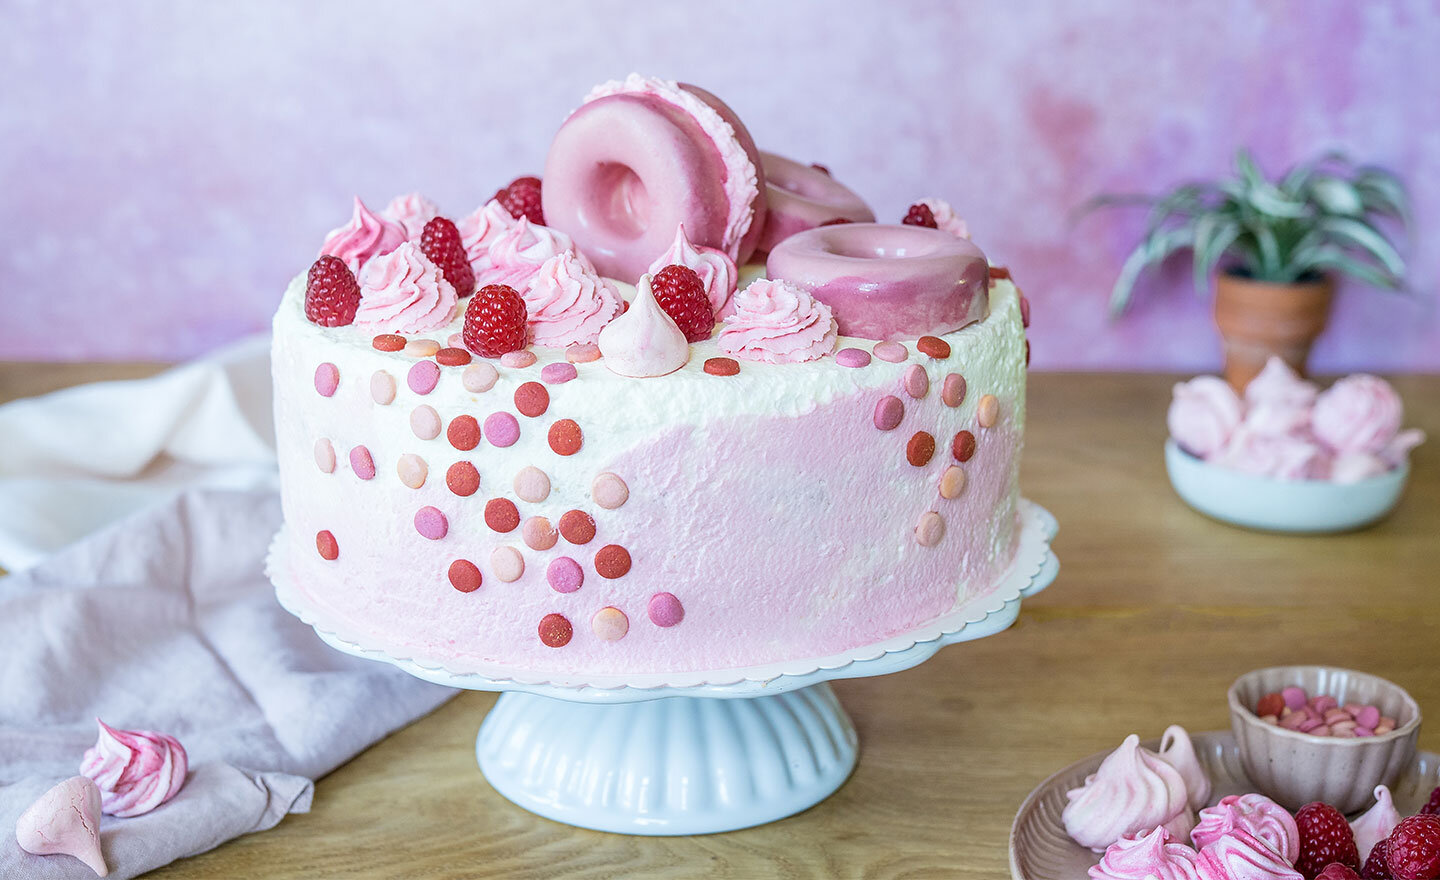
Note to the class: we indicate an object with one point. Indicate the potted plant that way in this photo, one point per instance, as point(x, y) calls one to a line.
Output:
point(1278, 245)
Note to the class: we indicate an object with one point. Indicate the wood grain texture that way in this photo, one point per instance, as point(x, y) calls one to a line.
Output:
point(1157, 609)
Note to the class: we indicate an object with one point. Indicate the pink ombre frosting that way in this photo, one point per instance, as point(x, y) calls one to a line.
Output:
point(1256, 814)
point(1133, 792)
point(778, 323)
point(1376, 823)
point(1204, 413)
point(946, 220)
point(403, 292)
point(715, 268)
point(1278, 400)
point(644, 341)
point(567, 303)
point(412, 211)
point(480, 229)
point(515, 257)
point(1359, 413)
point(136, 770)
point(366, 236)
point(741, 178)
point(1240, 855)
point(1150, 856)
point(1281, 456)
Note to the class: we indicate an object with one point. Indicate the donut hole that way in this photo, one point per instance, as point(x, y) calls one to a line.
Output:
point(622, 204)
point(878, 248)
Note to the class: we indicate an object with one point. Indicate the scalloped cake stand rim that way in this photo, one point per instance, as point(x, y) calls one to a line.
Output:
point(1034, 568)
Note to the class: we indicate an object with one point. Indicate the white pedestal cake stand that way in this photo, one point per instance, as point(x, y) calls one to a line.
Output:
point(698, 753)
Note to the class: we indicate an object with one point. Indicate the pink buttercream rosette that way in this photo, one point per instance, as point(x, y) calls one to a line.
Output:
point(567, 303)
point(412, 211)
point(479, 230)
point(778, 323)
point(136, 770)
point(404, 292)
point(515, 256)
point(946, 220)
point(366, 236)
point(715, 268)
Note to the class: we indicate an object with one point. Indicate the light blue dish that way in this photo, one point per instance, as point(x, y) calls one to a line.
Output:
point(1299, 506)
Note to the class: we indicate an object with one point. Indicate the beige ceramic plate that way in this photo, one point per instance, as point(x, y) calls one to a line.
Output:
point(1041, 850)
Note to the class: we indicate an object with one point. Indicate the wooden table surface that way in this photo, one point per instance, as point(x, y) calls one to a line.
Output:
point(1156, 610)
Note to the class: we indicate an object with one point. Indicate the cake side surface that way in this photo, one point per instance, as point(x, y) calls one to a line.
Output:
point(765, 515)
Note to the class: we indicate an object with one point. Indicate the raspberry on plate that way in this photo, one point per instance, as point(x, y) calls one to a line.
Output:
point(1337, 871)
point(681, 293)
point(440, 241)
point(1413, 850)
point(1432, 806)
point(920, 215)
point(521, 197)
point(1375, 865)
point(331, 293)
point(495, 321)
point(1325, 837)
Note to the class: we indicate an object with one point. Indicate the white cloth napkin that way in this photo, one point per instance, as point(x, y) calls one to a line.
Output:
point(163, 619)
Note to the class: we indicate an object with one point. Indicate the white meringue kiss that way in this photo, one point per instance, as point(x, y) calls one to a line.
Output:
point(1133, 792)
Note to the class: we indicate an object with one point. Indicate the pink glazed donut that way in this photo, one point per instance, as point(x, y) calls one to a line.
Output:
point(800, 197)
point(643, 156)
point(887, 282)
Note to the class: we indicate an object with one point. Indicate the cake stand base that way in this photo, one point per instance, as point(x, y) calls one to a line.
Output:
point(678, 765)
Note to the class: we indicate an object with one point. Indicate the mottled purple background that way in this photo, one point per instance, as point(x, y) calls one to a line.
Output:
point(166, 167)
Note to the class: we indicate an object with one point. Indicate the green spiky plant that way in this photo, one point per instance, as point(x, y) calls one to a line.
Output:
point(1319, 217)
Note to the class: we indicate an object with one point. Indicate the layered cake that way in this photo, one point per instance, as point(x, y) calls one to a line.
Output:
point(676, 405)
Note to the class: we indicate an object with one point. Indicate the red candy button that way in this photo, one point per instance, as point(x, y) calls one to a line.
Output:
point(462, 478)
point(934, 346)
point(963, 446)
point(465, 576)
point(920, 448)
point(463, 433)
point(532, 399)
point(565, 437)
point(326, 544)
point(719, 366)
point(612, 561)
point(555, 630)
point(577, 526)
point(502, 515)
point(999, 272)
point(388, 342)
point(452, 357)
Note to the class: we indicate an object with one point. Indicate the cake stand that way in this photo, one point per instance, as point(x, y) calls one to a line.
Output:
point(696, 753)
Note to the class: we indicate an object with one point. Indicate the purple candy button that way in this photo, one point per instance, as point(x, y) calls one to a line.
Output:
point(502, 429)
point(852, 357)
point(565, 575)
point(423, 376)
point(665, 610)
point(431, 523)
point(558, 373)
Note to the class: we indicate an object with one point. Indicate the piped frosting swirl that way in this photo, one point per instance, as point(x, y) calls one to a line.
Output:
point(946, 220)
point(567, 303)
point(403, 292)
point(366, 236)
point(715, 268)
point(480, 229)
point(136, 770)
point(412, 211)
point(779, 323)
point(515, 256)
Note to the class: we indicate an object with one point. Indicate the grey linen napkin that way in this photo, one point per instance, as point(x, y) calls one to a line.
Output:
point(165, 621)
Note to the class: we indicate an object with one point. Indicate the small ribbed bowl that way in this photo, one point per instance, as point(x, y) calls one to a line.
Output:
point(1296, 768)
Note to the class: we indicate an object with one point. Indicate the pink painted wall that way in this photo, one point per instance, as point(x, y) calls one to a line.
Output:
point(166, 167)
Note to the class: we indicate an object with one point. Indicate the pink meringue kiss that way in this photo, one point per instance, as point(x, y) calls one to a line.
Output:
point(1278, 384)
point(1376, 823)
point(1256, 814)
point(1148, 856)
point(1359, 413)
point(778, 323)
point(1204, 413)
point(715, 268)
point(136, 770)
point(946, 220)
point(568, 304)
point(1279, 456)
point(65, 821)
point(366, 236)
point(1179, 752)
point(412, 211)
point(1133, 792)
point(1239, 855)
point(643, 341)
point(480, 229)
point(403, 292)
point(515, 257)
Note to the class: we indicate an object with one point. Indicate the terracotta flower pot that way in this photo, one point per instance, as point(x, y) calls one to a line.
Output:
point(1259, 319)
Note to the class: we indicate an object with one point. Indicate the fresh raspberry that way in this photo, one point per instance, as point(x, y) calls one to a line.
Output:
point(1432, 806)
point(821, 168)
point(681, 294)
point(1337, 871)
point(440, 241)
point(1413, 851)
point(331, 293)
point(1325, 837)
point(836, 221)
point(1375, 865)
point(920, 215)
point(495, 321)
point(522, 199)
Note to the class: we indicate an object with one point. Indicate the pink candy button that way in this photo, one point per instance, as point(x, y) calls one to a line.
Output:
point(479, 377)
point(582, 353)
point(361, 463)
point(565, 575)
point(852, 357)
point(518, 359)
point(916, 381)
point(609, 491)
point(327, 379)
point(952, 390)
point(558, 373)
point(502, 429)
point(431, 523)
point(423, 376)
point(894, 352)
point(888, 413)
point(665, 610)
